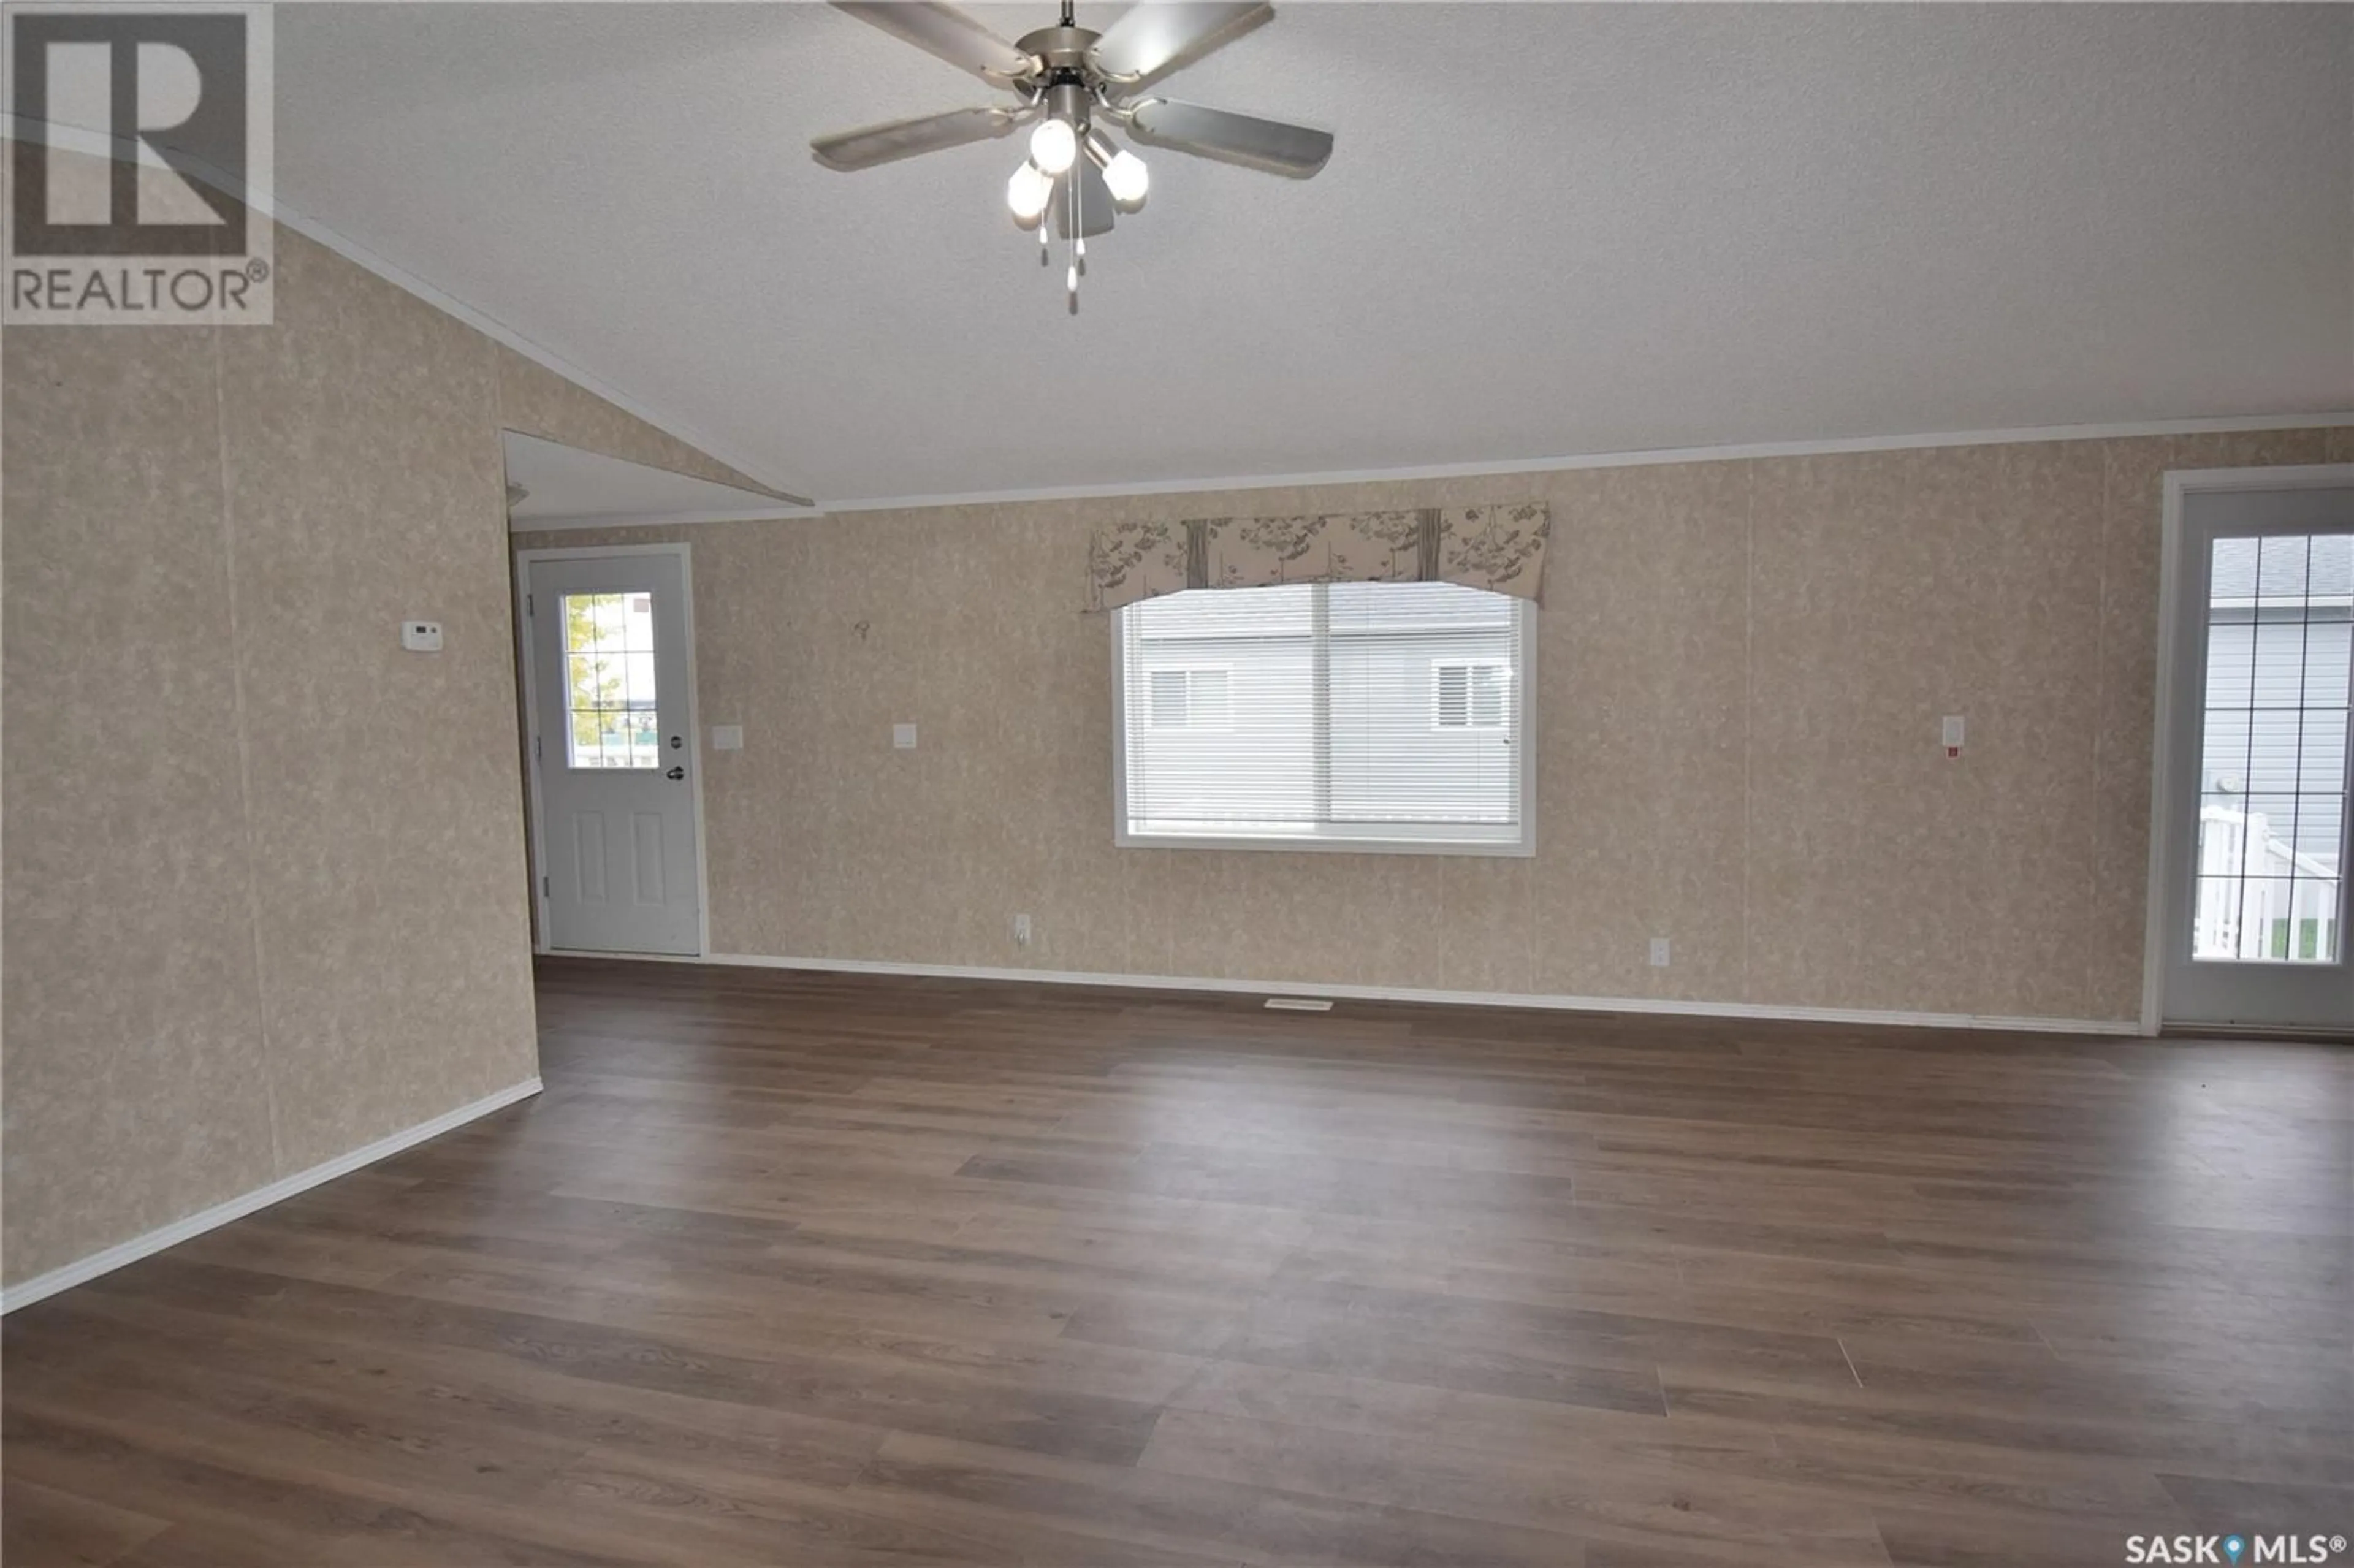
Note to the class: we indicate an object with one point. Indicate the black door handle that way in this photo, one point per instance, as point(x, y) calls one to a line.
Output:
point(675, 773)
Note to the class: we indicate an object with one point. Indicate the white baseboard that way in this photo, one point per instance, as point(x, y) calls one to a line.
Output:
point(196, 1225)
point(1672, 1007)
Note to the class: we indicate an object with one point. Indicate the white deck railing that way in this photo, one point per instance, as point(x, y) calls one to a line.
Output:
point(2252, 888)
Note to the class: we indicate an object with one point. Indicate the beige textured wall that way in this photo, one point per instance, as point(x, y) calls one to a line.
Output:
point(1743, 664)
point(536, 401)
point(264, 897)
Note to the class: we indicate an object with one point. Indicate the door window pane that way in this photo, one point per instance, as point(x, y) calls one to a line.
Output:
point(2272, 773)
point(609, 678)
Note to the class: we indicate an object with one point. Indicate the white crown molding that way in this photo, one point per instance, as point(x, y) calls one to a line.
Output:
point(75, 138)
point(547, 359)
point(1545, 1002)
point(561, 523)
point(1644, 459)
point(196, 1225)
point(798, 505)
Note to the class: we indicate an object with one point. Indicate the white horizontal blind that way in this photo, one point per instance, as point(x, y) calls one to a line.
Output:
point(1346, 713)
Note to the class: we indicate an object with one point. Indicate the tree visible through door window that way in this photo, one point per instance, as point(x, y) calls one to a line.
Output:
point(608, 661)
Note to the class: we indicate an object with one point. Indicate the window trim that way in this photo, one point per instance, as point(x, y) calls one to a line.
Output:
point(1521, 691)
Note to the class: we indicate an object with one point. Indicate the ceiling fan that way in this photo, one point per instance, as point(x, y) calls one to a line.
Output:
point(1069, 83)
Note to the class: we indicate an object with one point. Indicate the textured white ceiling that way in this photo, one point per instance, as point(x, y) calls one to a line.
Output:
point(1547, 230)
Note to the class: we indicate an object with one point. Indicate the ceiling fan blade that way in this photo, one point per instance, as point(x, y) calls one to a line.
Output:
point(872, 145)
point(1269, 145)
point(1153, 38)
point(948, 31)
point(1095, 203)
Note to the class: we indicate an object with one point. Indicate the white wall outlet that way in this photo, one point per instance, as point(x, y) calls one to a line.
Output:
point(1659, 952)
point(1022, 930)
point(903, 737)
point(727, 737)
point(1952, 732)
point(421, 636)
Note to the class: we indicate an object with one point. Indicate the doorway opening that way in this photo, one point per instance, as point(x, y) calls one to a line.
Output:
point(608, 656)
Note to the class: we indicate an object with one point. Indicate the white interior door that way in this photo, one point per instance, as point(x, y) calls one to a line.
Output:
point(2254, 817)
point(613, 740)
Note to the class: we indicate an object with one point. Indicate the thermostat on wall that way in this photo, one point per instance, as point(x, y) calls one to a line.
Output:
point(421, 636)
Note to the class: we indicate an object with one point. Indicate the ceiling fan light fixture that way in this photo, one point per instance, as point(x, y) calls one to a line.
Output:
point(1054, 146)
point(1064, 79)
point(1124, 173)
point(1128, 180)
point(1027, 194)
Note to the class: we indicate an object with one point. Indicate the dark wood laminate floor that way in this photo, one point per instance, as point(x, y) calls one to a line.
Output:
point(823, 1269)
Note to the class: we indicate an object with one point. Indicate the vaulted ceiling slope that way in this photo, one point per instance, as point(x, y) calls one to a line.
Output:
point(1549, 229)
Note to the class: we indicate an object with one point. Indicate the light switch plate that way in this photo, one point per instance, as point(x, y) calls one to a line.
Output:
point(1952, 735)
point(421, 636)
point(727, 737)
point(903, 736)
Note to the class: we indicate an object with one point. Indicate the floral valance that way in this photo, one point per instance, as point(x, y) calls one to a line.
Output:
point(1500, 548)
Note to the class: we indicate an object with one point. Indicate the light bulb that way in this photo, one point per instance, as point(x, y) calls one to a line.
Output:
point(1128, 178)
point(1053, 145)
point(1027, 194)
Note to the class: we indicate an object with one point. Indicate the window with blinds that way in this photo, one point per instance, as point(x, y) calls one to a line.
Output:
point(1340, 715)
